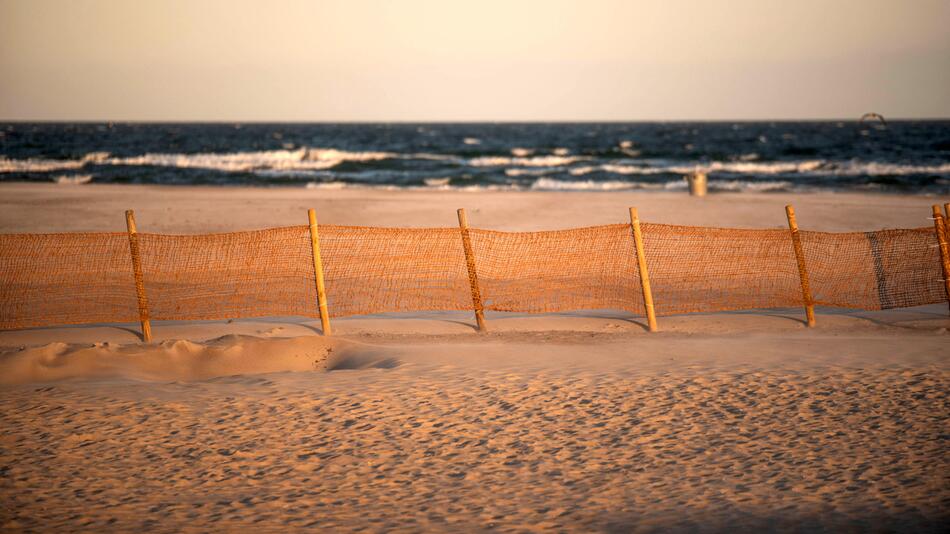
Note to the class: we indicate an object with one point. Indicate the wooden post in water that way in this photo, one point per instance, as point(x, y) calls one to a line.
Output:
point(318, 273)
point(946, 220)
point(802, 269)
point(139, 279)
point(940, 226)
point(472, 273)
point(644, 273)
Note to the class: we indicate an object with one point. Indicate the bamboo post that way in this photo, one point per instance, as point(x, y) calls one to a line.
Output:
point(139, 279)
point(644, 273)
point(940, 226)
point(472, 273)
point(802, 269)
point(318, 273)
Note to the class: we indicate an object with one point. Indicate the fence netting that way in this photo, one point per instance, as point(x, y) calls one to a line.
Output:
point(54, 279)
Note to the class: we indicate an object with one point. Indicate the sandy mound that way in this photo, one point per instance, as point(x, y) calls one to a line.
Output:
point(172, 360)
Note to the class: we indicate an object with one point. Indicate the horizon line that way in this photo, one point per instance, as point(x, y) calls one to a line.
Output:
point(565, 121)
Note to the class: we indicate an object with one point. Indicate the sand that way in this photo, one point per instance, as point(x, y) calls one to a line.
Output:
point(413, 422)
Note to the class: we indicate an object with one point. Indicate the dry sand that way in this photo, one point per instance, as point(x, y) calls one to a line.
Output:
point(575, 422)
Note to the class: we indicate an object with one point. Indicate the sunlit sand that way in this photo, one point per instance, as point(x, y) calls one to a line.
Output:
point(574, 421)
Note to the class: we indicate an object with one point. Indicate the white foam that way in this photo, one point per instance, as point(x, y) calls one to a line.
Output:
point(73, 179)
point(521, 152)
point(526, 172)
point(332, 154)
point(536, 161)
point(549, 184)
point(744, 185)
point(749, 167)
point(326, 185)
point(561, 151)
point(620, 169)
point(38, 165)
point(437, 182)
point(735, 167)
point(284, 160)
point(856, 168)
point(472, 141)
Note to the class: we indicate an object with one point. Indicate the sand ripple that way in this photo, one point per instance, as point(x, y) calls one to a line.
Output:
point(385, 448)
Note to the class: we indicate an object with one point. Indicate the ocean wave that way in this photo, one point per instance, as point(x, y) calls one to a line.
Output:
point(806, 168)
point(549, 184)
point(73, 179)
point(515, 172)
point(300, 159)
point(437, 182)
point(536, 161)
point(311, 162)
point(620, 169)
point(38, 165)
point(751, 186)
point(326, 185)
point(439, 186)
point(856, 168)
point(748, 167)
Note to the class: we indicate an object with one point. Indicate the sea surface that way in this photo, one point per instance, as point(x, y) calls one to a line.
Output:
point(902, 156)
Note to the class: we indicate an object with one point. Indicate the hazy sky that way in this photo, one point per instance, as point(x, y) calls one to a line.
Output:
point(441, 60)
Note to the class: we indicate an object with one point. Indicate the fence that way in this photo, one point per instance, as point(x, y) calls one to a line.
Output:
point(652, 269)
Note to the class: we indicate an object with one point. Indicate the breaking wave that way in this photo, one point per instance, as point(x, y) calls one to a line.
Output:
point(536, 161)
point(305, 160)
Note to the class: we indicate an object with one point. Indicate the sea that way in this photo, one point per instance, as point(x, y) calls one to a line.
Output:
point(896, 156)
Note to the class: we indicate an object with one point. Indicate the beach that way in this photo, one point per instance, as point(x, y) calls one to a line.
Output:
point(578, 421)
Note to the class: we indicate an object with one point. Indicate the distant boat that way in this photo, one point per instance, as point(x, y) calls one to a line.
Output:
point(873, 116)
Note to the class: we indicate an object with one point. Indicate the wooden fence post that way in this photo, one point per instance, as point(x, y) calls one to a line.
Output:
point(644, 273)
point(940, 226)
point(318, 273)
point(802, 269)
point(139, 279)
point(472, 273)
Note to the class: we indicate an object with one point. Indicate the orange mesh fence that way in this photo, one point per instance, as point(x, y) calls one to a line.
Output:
point(223, 276)
point(49, 279)
point(874, 270)
point(377, 270)
point(713, 269)
point(536, 272)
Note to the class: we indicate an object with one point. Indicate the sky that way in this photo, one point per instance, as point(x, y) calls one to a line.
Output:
point(480, 60)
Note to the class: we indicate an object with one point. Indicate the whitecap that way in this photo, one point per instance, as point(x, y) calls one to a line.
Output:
point(549, 184)
point(326, 185)
point(514, 172)
point(73, 179)
point(437, 182)
point(536, 161)
point(38, 165)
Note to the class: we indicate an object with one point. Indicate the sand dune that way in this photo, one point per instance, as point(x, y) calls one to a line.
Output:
point(171, 360)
